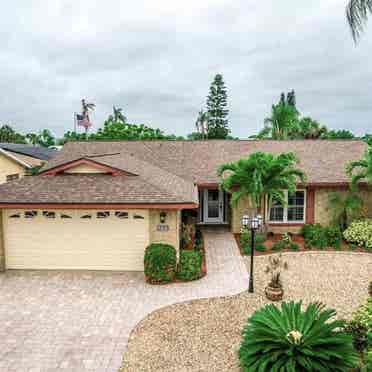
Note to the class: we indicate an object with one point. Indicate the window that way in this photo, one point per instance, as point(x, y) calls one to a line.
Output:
point(16, 215)
point(86, 216)
point(103, 214)
point(12, 177)
point(138, 217)
point(121, 215)
point(49, 214)
point(65, 216)
point(30, 214)
point(292, 211)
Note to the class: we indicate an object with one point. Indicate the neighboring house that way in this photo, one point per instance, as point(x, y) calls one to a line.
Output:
point(17, 159)
point(97, 205)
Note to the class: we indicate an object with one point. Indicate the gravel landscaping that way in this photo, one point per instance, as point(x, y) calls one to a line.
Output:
point(204, 335)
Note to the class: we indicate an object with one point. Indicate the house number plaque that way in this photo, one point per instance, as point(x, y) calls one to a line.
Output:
point(162, 228)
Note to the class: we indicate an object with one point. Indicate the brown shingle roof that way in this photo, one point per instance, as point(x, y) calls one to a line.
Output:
point(323, 161)
point(167, 170)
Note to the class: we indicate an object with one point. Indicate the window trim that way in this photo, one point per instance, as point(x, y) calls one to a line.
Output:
point(285, 212)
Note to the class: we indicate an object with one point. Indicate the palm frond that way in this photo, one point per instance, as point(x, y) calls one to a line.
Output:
point(357, 13)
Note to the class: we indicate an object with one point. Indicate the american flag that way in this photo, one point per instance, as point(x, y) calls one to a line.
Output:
point(83, 121)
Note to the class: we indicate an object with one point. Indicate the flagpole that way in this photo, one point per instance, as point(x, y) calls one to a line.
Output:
point(75, 129)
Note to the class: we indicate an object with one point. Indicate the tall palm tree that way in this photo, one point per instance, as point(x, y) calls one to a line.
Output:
point(282, 122)
point(357, 12)
point(261, 174)
point(118, 114)
point(202, 124)
point(361, 170)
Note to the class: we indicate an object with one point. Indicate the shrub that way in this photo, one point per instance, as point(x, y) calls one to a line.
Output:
point(246, 241)
point(315, 236)
point(294, 246)
point(364, 314)
point(190, 265)
point(360, 232)
point(160, 263)
point(279, 245)
point(289, 339)
point(334, 236)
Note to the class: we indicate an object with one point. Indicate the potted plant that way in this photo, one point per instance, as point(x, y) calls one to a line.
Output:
point(274, 290)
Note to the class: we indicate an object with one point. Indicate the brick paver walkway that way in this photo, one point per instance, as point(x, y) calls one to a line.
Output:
point(80, 321)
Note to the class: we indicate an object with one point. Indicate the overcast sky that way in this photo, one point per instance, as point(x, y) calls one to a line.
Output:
point(156, 59)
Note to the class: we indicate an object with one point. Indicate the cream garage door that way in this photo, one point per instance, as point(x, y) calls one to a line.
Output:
point(76, 239)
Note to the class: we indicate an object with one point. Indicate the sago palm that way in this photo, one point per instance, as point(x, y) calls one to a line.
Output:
point(361, 170)
point(259, 175)
point(288, 339)
point(357, 12)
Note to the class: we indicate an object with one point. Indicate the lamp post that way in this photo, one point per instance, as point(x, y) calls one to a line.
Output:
point(254, 223)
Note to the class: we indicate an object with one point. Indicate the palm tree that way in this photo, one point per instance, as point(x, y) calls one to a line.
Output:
point(261, 174)
point(357, 12)
point(282, 123)
point(310, 129)
point(345, 208)
point(202, 123)
point(361, 169)
point(118, 114)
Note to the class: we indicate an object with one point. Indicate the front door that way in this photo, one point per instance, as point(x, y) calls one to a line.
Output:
point(213, 206)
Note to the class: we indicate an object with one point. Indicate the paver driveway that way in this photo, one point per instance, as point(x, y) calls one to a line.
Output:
point(80, 321)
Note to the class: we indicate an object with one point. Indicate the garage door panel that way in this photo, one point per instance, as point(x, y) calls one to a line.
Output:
point(95, 244)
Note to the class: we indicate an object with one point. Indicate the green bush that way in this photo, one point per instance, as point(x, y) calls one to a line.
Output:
point(315, 236)
point(294, 246)
point(190, 265)
point(288, 339)
point(279, 245)
point(246, 241)
point(160, 263)
point(334, 236)
point(360, 232)
point(364, 314)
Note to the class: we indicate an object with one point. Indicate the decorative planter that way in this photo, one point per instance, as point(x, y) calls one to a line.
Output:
point(274, 293)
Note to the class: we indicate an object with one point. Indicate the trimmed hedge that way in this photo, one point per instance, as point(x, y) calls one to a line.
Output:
point(160, 263)
point(190, 265)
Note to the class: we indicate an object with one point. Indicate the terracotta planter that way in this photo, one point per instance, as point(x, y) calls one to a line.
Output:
point(274, 293)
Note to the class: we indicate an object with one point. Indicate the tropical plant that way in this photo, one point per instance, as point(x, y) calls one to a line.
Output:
point(9, 135)
point(285, 242)
point(345, 207)
point(338, 134)
point(201, 125)
point(289, 339)
point(261, 174)
point(274, 268)
point(217, 111)
point(160, 263)
point(117, 114)
point(282, 123)
point(309, 129)
point(361, 170)
point(360, 232)
point(357, 13)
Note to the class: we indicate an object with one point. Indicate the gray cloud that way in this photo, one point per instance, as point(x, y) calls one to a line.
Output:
point(156, 60)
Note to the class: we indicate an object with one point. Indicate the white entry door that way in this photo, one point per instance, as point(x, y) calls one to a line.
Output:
point(213, 206)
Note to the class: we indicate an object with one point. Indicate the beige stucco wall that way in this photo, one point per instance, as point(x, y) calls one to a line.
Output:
point(8, 166)
point(2, 250)
point(173, 220)
point(84, 168)
point(322, 213)
point(244, 206)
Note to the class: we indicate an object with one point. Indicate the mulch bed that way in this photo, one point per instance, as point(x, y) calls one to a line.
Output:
point(301, 242)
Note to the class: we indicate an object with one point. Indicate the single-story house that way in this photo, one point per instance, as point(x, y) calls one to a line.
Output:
point(17, 159)
point(97, 205)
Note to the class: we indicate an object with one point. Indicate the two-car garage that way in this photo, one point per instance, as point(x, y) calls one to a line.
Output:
point(75, 239)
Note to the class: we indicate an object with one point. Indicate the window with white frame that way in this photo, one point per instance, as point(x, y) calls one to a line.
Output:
point(292, 211)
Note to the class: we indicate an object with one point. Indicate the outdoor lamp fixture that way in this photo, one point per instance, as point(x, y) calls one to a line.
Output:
point(254, 224)
point(163, 217)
